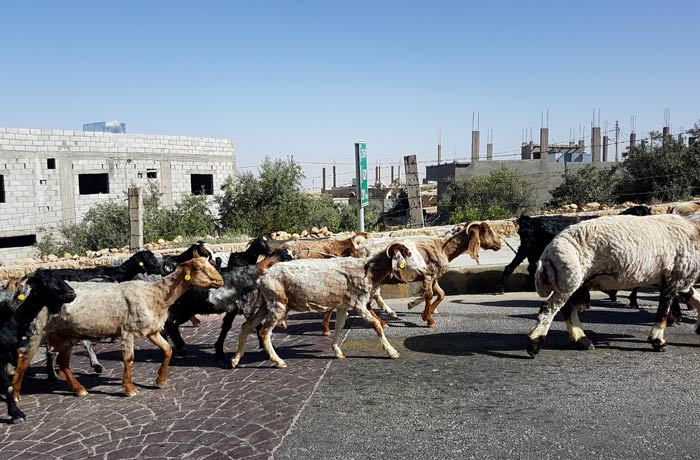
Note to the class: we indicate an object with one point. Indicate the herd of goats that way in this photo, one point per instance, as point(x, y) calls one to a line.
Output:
point(146, 297)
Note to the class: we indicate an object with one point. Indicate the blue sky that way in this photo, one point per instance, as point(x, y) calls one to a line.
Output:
point(309, 78)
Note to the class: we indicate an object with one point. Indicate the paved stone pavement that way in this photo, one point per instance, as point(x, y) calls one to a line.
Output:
point(463, 390)
point(204, 412)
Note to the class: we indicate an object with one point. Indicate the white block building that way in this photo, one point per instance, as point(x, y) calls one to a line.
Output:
point(52, 177)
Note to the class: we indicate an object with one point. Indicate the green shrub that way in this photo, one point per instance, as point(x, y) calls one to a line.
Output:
point(588, 184)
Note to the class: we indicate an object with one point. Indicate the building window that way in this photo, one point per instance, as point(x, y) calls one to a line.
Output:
point(91, 184)
point(51, 163)
point(2, 189)
point(202, 184)
point(151, 175)
point(17, 241)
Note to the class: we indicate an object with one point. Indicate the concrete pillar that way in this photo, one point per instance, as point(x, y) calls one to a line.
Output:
point(595, 144)
point(334, 177)
point(67, 190)
point(392, 174)
point(544, 144)
point(605, 148)
point(439, 153)
point(413, 190)
point(135, 219)
point(666, 134)
point(475, 145)
point(633, 139)
point(379, 175)
point(489, 151)
point(166, 184)
point(323, 182)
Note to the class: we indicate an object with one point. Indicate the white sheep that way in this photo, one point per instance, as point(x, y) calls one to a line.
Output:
point(618, 252)
point(127, 310)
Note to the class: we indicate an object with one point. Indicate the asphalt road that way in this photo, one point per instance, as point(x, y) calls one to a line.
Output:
point(468, 389)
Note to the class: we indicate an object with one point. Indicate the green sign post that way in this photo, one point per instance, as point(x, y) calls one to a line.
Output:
point(362, 187)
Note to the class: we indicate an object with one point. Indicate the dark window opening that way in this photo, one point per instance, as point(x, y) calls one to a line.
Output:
point(202, 184)
point(151, 174)
point(2, 189)
point(17, 241)
point(51, 163)
point(91, 184)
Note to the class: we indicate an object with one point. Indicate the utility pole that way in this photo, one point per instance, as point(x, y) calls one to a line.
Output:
point(617, 139)
point(135, 218)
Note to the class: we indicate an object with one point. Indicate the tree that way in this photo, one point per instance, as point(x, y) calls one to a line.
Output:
point(588, 184)
point(503, 192)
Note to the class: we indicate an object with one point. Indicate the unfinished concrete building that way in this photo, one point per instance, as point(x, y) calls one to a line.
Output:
point(53, 177)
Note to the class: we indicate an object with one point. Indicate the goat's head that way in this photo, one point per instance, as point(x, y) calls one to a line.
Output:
point(406, 265)
point(144, 262)
point(46, 287)
point(481, 235)
point(639, 210)
point(259, 246)
point(199, 272)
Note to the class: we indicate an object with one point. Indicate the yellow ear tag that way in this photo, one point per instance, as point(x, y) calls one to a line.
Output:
point(21, 297)
point(188, 277)
point(140, 264)
point(402, 265)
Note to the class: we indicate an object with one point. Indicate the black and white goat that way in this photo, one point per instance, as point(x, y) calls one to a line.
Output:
point(44, 288)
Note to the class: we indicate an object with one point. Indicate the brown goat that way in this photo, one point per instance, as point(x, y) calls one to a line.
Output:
point(127, 310)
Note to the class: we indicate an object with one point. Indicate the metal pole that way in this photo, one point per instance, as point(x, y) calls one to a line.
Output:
point(360, 209)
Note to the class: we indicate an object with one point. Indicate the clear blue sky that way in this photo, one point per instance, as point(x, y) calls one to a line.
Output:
point(309, 78)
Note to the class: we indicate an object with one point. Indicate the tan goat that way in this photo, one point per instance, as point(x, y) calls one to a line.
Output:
point(127, 310)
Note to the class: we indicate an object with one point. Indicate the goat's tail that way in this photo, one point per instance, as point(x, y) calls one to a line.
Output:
point(545, 278)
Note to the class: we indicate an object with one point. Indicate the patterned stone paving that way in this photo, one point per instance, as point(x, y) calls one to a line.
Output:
point(204, 412)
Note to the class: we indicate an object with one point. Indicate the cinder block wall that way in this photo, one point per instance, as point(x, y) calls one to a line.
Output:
point(38, 197)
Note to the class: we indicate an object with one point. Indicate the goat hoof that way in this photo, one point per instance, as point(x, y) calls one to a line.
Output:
point(393, 315)
point(327, 333)
point(98, 368)
point(160, 385)
point(634, 305)
point(281, 364)
point(340, 356)
point(18, 418)
point(534, 347)
point(234, 363)
point(131, 393)
point(81, 393)
point(584, 343)
point(658, 345)
point(435, 312)
point(394, 354)
point(17, 397)
point(411, 306)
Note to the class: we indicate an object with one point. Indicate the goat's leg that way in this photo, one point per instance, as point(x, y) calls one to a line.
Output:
point(128, 358)
point(246, 329)
point(656, 337)
point(440, 297)
point(531, 271)
point(544, 320)
point(16, 415)
point(415, 302)
point(96, 366)
point(520, 256)
point(64, 348)
point(25, 355)
point(226, 324)
point(692, 299)
point(428, 297)
point(172, 329)
point(364, 312)
point(51, 374)
point(163, 344)
point(326, 323)
point(376, 316)
point(633, 298)
point(340, 315)
point(579, 301)
point(377, 297)
point(266, 333)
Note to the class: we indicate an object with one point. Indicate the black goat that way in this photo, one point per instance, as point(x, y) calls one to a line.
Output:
point(196, 250)
point(537, 232)
point(45, 288)
point(258, 247)
point(140, 262)
point(229, 299)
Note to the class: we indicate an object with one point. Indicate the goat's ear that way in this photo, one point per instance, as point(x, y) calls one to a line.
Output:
point(358, 238)
point(187, 270)
point(473, 231)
